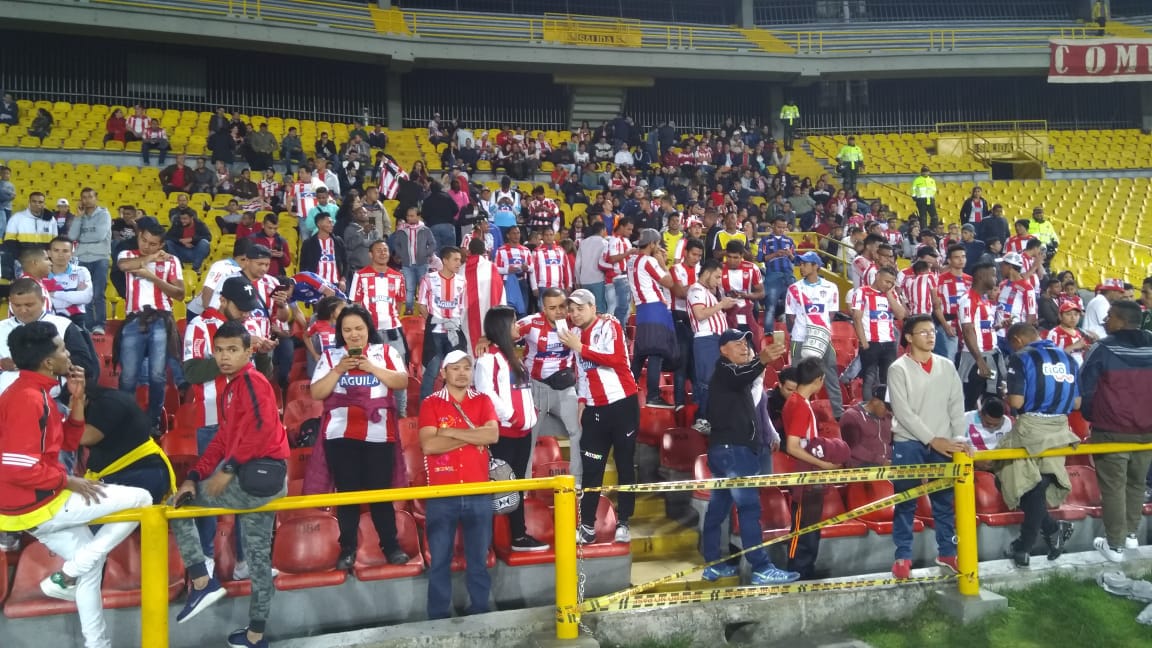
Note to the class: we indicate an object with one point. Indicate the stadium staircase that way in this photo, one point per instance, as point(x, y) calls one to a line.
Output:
point(595, 104)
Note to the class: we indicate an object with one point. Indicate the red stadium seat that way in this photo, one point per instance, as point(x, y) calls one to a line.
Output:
point(26, 599)
point(189, 418)
point(1080, 427)
point(686, 415)
point(605, 534)
point(990, 507)
point(1085, 490)
point(410, 432)
point(823, 411)
point(224, 546)
point(181, 463)
point(299, 390)
point(864, 493)
point(547, 451)
point(680, 447)
point(414, 464)
point(538, 518)
point(297, 412)
point(370, 561)
point(548, 469)
point(121, 587)
point(833, 506)
point(701, 471)
point(654, 421)
point(305, 552)
point(298, 462)
point(775, 514)
point(924, 511)
point(413, 326)
point(178, 443)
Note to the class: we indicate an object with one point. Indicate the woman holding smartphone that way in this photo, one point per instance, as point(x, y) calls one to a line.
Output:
point(500, 374)
point(356, 379)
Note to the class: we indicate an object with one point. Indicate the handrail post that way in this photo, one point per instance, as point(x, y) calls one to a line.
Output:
point(567, 612)
point(153, 577)
point(967, 554)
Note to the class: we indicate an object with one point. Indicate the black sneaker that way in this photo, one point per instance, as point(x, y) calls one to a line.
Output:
point(528, 543)
point(1058, 538)
point(1020, 557)
point(585, 535)
point(659, 403)
point(397, 557)
point(346, 560)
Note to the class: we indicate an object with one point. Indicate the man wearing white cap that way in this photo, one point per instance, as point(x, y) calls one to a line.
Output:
point(808, 306)
point(1096, 311)
point(1017, 302)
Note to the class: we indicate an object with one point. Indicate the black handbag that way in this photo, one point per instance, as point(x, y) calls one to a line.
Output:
point(263, 477)
point(562, 379)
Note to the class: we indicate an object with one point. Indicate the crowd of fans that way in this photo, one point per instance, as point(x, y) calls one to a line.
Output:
point(683, 267)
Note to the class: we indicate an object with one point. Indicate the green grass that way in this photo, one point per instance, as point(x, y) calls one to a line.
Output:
point(1060, 612)
point(659, 643)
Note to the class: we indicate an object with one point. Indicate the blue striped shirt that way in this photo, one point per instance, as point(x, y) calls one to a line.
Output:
point(1046, 377)
point(773, 243)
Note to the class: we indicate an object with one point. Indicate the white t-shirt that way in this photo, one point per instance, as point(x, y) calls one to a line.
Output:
point(980, 436)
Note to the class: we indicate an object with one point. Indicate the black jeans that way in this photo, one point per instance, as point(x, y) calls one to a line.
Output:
point(807, 509)
point(1034, 504)
point(517, 451)
point(609, 427)
point(360, 466)
point(874, 363)
point(927, 211)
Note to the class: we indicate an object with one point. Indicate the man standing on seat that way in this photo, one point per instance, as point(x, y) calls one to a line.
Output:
point(441, 299)
point(380, 289)
point(981, 365)
point(39, 495)
point(951, 285)
point(875, 310)
point(457, 424)
point(243, 468)
point(811, 302)
point(733, 451)
point(928, 413)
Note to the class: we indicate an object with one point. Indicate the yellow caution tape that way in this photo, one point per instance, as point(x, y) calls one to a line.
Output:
point(815, 477)
point(608, 601)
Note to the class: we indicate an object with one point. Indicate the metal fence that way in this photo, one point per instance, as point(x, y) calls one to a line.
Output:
point(676, 11)
point(699, 106)
point(95, 70)
point(784, 12)
point(485, 99)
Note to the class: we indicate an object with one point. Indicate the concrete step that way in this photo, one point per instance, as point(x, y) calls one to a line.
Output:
point(649, 508)
point(659, 539)
point(649, 570)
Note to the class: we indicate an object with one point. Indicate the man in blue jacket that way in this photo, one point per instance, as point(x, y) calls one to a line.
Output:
point(1114, 382)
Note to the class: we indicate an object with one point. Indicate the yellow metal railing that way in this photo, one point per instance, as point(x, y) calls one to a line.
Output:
point(154, 535)
point(847, 41)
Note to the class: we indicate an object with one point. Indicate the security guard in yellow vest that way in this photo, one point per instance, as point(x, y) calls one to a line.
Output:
point(851, 161)
point(789, 117)
point(924, 193)
point(1042, 229)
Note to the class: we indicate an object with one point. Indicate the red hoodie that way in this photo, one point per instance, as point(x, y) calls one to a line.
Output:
point(250, 426)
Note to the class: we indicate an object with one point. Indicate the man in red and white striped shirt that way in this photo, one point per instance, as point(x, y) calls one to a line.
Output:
point(743, 281)
point(380, 289)
point(611, 409)
point(980, 362)
point(706, 313)
point(483, 289)
point(302, 194)
point(441, 300)
point(1017, 296)
point(684, 276)
point(549, 265)
point(616, 253)
point(655, 331)
point(136, 124)
point(919, 286)
point(875, 310)
point(515, 260)
point(1017, 242)
point(951, 285)
point(543, 213)
point(153, 278)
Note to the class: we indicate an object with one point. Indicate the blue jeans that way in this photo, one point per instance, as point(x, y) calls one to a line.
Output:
point(775, 285)
point(705, 353)
point(96, 314)
point(943, 512)
point(292, 157)
point(413, 275)
point(440, 346)
point(194, 255)
point(680, 376)
point(153, 479)
point(473, 514)
point(947, 346)
point(206, 526)
point(445, 236)
point(734, 461)
point(137, 344)
point(623, 303)
point(597, 291)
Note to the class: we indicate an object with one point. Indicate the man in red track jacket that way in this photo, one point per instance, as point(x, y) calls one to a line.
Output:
point(243, 468)
point(38, 495)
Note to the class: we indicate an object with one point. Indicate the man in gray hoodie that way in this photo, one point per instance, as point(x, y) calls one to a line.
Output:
point(413, 244)
point(92, 231)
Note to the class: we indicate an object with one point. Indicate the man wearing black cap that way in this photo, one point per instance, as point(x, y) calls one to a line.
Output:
point(867, 429)
point(272, 306)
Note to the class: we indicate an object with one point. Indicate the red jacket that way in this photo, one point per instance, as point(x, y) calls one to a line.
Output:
point(250, 426)
point(32, 433)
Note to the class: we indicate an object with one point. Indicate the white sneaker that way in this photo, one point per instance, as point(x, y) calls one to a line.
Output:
point(1112, 554)
point(210, 565)
point(55, 587)
point(1131, 542)
point(241, 572)
point(622, 533)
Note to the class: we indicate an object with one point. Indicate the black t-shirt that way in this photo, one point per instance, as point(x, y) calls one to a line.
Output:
point(123, 424)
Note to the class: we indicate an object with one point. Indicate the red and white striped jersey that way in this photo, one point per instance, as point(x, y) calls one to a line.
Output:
point(811, 303)
point(379, 292)
point(544, 212)
point(269, 189)
point(976, 310)
point(878, 320)
point(644, 278)
point(861, 267)
point(443, 299)
point(512, 399)
point(1016, 243)
point(141, 292)
point(894, 238)
point(918, 291)
point(489, 241)
point(137, 124)
point(512, 255)
point(616, 245)
point(1018, 299)
point(683, 276)
point(546, 354)
point(303, 195)
point(715, 324)
point(259, 322)
point(603, 366)
point(951, 288)
point(550, 268)
point(743, 279)
point(326, 268)
point(198, 346)
point(355, 422)
point(1034, 278)
point(1063, 338)
point(217, 273)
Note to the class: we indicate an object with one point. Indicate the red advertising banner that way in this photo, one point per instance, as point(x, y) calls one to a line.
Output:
point(1099, 60)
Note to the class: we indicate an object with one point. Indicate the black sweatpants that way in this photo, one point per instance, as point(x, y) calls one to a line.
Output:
point(807, 509)
point(517, 452)
point(360, 466)
point(609, 427)
point(1034, 504)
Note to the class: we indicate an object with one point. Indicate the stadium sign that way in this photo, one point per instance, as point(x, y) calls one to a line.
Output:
point(1099, 60)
